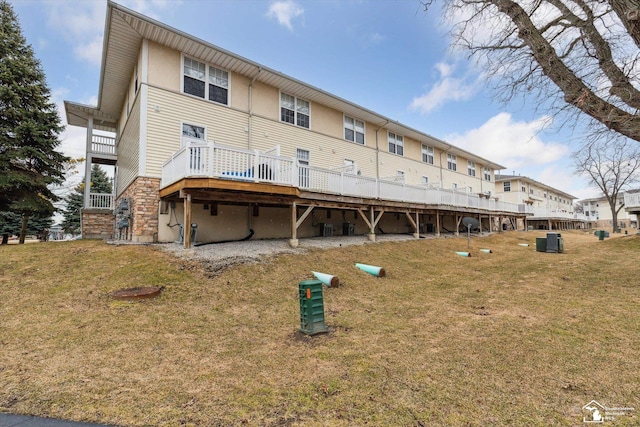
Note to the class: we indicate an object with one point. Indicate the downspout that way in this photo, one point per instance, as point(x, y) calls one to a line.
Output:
point(441, 175)
point(378, 150)
point(249, 132)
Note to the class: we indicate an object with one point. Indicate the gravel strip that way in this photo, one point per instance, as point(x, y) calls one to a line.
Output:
point(220, 256)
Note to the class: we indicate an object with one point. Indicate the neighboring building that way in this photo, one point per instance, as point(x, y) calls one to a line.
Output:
point(598, 211)
point(550, 208)
point(199, 135)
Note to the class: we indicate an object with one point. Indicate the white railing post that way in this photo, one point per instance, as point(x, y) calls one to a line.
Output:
point(256, 165)
point(210, 165)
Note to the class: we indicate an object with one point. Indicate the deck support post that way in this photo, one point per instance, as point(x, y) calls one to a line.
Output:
point(186, 227)
point(437, 223)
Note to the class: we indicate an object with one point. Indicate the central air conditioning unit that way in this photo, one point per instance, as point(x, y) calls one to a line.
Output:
point(326, 230)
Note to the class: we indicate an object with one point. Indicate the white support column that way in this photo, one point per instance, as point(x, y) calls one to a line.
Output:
point(87, 163)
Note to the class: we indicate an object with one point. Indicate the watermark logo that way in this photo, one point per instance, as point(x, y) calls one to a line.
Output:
point(596, 413)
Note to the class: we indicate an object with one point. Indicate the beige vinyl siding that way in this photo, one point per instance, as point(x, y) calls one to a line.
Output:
point(239, 91)
point(168, 110)
point(266, 101)
point(164, 67)
point(325, 151)
point(327, 121)
point(129, 149)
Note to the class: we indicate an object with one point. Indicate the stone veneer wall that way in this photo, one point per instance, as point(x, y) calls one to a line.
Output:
point(144, 196)
point(97, 224)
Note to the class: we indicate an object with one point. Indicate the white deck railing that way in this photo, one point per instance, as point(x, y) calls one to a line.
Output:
point(632, 200)
point(212, 160)
point(554, 213)
point(101, 201)
point(103, 144)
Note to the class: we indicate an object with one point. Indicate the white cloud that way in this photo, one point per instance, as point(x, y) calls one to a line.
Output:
point(81, 23)
point(90, 52)
point(285, 11)
point(447, 88)
point(375, 38)
point(511, 143)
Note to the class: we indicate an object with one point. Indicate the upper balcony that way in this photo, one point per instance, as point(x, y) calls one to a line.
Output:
point(209, 160)
point(103, 149)
point(632, 202)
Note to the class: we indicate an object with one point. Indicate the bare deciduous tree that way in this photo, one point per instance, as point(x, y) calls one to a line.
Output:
point(573, 55)
point(611, 166)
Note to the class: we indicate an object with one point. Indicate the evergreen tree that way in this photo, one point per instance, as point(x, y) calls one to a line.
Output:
point(11, 224)
point(29, 128)
point(100, 183)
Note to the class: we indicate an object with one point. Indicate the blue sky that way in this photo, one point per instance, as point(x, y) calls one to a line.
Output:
point(386, 55)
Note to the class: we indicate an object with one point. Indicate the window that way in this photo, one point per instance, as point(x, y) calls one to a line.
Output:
point(192, 131)
point(396, 144)
point(350, 166)
point(427, 154)
point(454, 186)
point(545, 194)
point(471, 168)
point(303, 171)
point(218, 85)
point(523, 189)
point(530, 190)
point(294, 110)
point(452, 162)
point(506, 186)
point(425, 180)
point(487, 174)
point(196, 154)
point(196, 76)
point(353, 130)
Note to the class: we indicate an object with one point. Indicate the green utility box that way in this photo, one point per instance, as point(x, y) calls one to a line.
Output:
point(311, 307)
point(555, 244)
point(541, 244)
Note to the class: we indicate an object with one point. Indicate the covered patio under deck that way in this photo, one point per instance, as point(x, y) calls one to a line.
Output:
point(422, 218)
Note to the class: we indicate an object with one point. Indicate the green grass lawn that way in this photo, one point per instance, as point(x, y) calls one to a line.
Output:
point(511, 338)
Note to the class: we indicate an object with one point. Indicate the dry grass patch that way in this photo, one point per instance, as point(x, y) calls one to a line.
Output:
point(511, 338)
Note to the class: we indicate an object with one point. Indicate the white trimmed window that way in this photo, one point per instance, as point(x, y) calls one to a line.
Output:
point(425, 180)
point(506, 186)
point(452, 162)
point(427, 154)
point(471, 168)
point(205, 82)
point(396, 144)
point(523, 189)
point(294, 110)
point(190, 131)
point(353, 130)
point(487, 174)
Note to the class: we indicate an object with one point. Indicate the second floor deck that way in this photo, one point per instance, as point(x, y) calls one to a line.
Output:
point(632, 202)
point(212, 160)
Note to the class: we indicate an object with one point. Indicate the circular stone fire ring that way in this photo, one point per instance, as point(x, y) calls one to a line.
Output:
point(137, 293)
